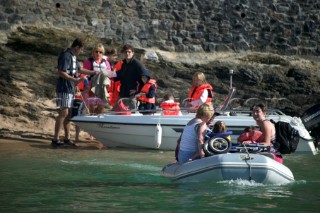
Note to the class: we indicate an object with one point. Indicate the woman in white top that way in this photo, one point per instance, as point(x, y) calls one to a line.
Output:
point(192, 138)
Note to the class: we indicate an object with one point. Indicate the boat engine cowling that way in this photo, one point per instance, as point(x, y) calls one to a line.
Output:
point(311, 120)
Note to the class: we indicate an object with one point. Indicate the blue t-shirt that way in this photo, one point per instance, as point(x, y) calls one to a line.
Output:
point(67, 62)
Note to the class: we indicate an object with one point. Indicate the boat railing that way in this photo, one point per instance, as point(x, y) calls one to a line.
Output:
point(128, 106)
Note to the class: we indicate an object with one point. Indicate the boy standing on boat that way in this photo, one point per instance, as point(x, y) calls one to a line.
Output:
point(146, 96)
point(68, 69)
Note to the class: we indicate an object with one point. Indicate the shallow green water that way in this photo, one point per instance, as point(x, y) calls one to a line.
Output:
point(69, 180)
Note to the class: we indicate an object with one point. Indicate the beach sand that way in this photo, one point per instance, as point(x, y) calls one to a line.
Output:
point(10, 140)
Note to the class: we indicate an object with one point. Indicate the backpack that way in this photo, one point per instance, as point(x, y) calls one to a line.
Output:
point(287, 137)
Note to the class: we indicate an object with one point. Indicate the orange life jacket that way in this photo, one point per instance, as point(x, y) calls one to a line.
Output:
point(114, 88)
point(145, 89)
point(170, 108)
point(80, 88)
point(253, 136)
point(196, 92)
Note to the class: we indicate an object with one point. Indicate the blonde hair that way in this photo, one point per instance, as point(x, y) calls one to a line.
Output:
point(219, 126)
point(200, 77)
point(98, 47)
point(205, 111)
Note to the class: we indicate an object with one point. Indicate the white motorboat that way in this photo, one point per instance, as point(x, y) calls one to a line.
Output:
point(230, 166)
point(158, 131)
point(142, 131)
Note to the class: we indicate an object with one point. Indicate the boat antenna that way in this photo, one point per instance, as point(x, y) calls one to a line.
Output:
point(231, 73)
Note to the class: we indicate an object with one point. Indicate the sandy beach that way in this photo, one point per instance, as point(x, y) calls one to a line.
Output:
point(10, 141)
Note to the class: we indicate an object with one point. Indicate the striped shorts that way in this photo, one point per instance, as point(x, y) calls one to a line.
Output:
point(64, 100)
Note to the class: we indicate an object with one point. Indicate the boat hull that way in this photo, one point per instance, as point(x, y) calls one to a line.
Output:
point(138, 131)
point(231, 166)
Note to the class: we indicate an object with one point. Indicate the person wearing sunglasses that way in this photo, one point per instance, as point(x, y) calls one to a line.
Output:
point(98, 62)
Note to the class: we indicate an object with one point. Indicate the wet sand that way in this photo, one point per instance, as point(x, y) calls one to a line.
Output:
point(21, 143)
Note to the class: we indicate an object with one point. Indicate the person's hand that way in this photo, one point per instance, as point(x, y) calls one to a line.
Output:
point(138, 95)
point(78, 80)
point(132, 92)
point(94, 72)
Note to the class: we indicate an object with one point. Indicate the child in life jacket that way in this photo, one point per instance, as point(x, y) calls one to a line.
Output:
point(146, 96)
point(200, 92)
point(170, 107)
point(79, 104)
point(250, 135)
point(220, 127)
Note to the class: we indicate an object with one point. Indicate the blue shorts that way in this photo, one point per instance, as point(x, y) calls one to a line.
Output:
point(184, 156)
point(64, 100)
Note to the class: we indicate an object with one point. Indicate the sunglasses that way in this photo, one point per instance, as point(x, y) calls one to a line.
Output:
point(99, 52)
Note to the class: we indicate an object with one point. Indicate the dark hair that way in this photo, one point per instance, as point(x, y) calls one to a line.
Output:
point(78, 42)
point(261, 106)
point(219, 126)
point(127, 47)
point(249, 128)
point(112, 51)
point(167, 97)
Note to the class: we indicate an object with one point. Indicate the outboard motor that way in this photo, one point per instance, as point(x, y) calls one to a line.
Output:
point(311, 121)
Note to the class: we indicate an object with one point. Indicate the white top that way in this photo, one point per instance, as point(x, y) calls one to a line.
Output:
point(189, 138)
point(202, 99)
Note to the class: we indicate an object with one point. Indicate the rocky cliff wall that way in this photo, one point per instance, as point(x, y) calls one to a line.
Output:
point(287, 27)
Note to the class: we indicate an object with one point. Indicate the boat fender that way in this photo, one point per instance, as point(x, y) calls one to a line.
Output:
point(158, 136)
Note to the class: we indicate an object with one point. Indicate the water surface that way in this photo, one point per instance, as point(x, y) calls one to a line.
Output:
point(36, 178)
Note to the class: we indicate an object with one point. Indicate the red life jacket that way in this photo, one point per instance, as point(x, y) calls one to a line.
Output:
point(80, 88)
point(122, 109)
point(170, 108)
point(196, 92)
point(253, 136)
point(145, 89)
point(114, 88)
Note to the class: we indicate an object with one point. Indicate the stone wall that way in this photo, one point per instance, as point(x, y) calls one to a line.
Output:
point(287, 27)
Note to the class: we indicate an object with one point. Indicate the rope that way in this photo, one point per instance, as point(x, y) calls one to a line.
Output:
point(84, 103)
point(250, 163)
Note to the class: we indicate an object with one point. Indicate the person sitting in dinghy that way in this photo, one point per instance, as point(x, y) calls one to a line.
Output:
point(193, 135)
point(220, 127)
point(250, 135)
point(267, 128)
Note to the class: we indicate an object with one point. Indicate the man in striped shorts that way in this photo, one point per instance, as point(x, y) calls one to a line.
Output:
point(68, 69)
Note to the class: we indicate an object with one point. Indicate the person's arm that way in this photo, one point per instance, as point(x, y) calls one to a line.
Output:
point(201, 100)
point(87, 72)
point(152, 92)
point(201, 130)
point(65, 75)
